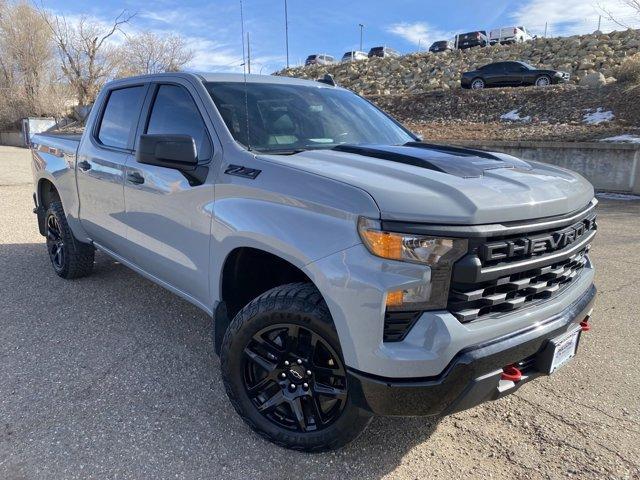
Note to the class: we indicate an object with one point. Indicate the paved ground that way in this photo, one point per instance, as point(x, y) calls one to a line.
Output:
point(113, 377)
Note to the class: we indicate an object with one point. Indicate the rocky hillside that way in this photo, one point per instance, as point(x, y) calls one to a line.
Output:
point(562, 112)
point(427, 72)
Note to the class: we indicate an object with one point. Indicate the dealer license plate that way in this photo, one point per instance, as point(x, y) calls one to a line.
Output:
point(565, 350)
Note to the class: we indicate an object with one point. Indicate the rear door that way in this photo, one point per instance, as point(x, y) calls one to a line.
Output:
point(168, 214)
point(102, 157)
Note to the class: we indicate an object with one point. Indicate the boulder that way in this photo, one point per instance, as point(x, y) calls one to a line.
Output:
point(593, 80)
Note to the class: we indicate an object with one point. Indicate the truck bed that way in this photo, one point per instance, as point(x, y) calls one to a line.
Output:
point(64, 143)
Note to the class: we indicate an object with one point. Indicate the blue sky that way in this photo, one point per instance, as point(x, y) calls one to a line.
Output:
point(212, 28)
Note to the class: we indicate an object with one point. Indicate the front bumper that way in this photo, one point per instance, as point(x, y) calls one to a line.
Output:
point(473, 376)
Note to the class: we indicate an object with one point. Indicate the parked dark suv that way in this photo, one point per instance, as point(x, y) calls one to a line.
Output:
point(511, 74)
point(383, 52)
point(441, 46)
point(472, 39)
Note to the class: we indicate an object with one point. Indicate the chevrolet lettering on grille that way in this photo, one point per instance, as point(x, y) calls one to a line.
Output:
point(535, 245)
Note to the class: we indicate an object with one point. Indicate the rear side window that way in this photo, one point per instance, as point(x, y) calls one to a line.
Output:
point(175, 113)
point(120, 116)
point(514, 67)
point(493, 68)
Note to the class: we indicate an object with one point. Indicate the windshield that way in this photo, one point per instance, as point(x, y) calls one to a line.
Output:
point(290, 118)
point(527, 66)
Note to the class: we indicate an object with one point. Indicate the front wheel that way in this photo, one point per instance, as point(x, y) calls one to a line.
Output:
point(283, 371)
point(543, 81)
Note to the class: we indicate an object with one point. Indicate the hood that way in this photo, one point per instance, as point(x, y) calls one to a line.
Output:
point(448, 185)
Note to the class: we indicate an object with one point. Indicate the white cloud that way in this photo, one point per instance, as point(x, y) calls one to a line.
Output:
point(418, 33)
point(569, 17)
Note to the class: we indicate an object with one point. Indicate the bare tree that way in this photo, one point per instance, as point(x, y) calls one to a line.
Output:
point(148, 52)
point(87, 56)
point(27, 68)
point(632, 6)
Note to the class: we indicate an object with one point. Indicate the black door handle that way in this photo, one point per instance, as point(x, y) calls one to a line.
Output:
point(135, 178)
point(84, 165)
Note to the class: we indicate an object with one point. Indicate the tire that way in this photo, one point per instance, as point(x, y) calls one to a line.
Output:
point(477, 84)
point(259, 374)
point(69, 257)
point(543, 81)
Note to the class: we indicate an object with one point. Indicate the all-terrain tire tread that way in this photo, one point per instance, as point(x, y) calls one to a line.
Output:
point(80, 256)
point(305, 297)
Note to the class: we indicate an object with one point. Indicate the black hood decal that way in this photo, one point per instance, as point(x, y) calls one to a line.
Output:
point(457, 161)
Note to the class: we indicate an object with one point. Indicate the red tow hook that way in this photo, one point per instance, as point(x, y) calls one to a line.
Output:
point(511, 373)
point(585, 324)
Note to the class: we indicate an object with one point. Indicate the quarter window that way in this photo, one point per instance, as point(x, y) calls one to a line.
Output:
point(120, 116)
point(175, 113)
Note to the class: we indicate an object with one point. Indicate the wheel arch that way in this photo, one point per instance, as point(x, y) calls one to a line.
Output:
point(47, 193)
point(246, 273)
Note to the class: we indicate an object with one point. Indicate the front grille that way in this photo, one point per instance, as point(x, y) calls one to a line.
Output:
point(511, 292)
point(512, 266)
point(398, 324)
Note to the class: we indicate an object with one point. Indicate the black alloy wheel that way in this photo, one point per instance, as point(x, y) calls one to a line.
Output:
point(294, 378)
point(55, 243)
point(284, 373)
point(69, 257)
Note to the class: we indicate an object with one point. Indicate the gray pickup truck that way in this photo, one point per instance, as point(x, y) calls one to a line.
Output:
point(351, 269)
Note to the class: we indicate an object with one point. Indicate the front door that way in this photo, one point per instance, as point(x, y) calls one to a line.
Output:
point(101, 166)
point(168, 215)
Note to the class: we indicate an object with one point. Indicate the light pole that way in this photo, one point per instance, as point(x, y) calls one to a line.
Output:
point(361, 29)
point(286, 30)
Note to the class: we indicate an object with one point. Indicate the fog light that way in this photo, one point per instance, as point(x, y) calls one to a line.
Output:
point(416, 298)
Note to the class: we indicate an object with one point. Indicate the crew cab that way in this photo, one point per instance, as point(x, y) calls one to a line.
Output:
point(506, 35)
point(471, 39)
point(350, 269)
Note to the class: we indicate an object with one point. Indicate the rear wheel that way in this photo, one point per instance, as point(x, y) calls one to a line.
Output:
point(284, 373)
point(477, 84)
point(69, 257)
point(543, 81)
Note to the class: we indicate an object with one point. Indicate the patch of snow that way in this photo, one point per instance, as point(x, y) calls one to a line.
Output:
point(599, 116)
point(627, 138)
point(514, 116)
point(627, 197)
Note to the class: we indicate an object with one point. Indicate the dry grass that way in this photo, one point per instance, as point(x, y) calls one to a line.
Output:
point(629, 71)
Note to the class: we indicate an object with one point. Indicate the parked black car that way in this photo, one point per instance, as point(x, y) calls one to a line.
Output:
point(383, 52)
point(472, 39)
point(441, 46)
point(511, 74)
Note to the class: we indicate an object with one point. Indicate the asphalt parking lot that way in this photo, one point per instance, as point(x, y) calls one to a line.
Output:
point(114, 377)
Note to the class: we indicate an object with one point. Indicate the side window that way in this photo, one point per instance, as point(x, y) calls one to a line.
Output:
point(175, 113)
point(120, 116)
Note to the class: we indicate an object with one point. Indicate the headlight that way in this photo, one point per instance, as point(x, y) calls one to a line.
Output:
point(439, 253)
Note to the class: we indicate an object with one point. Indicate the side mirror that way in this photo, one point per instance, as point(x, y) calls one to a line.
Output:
point(171, 151)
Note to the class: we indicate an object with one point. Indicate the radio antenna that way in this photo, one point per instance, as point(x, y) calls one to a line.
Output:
point(244, 74)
